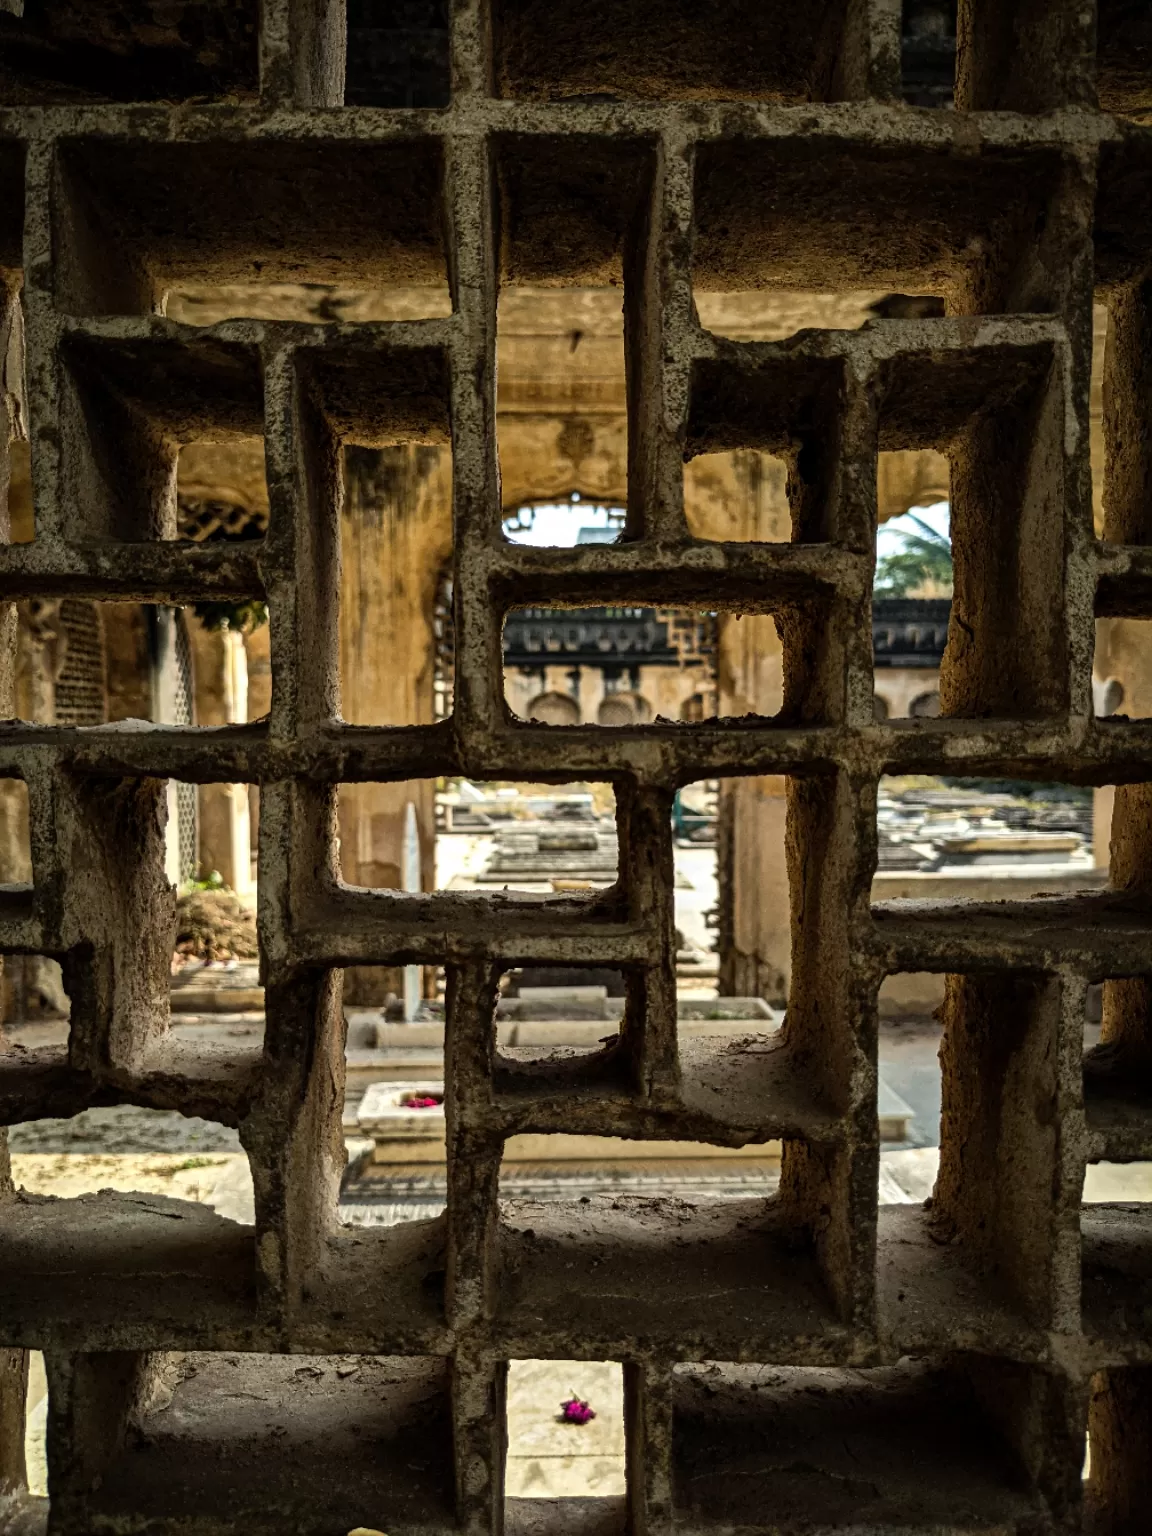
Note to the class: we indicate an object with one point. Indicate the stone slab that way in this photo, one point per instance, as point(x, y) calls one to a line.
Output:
point(548, 1458)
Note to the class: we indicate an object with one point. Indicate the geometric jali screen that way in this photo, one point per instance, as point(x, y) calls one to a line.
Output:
point(805, 1362)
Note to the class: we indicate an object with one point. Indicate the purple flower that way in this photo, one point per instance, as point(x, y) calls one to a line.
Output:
point(419, 1101)
point(575, 1412)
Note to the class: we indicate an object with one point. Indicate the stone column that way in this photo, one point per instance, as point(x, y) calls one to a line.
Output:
point(220, 667)
point(744, 496)
point(395, 538)
point(1124, 646)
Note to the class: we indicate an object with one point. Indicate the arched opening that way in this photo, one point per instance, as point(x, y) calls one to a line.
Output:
point(879, 706)
point(624, 709)
point(925, 706)
point(554, 708)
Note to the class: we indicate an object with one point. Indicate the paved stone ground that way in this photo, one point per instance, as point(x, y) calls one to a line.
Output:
point(153, 1152)
point(907, 1176)
point(123, 1129)
point(911, 1067)
point(548, 1458)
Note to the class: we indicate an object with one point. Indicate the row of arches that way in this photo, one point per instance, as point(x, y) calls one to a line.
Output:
point(555, 708)
point(624, 708)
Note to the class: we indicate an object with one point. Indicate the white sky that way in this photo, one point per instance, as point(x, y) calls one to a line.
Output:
point(557, 525)
point(890, 535)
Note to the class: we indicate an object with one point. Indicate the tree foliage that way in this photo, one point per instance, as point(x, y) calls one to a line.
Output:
point(924, 559)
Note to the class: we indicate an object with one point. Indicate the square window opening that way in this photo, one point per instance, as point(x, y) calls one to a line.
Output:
point(456, 835)
point(667, 1227)
point(738, 497)
point(34, 1023)
point(748, 419)
point(614, 666)
point(309, 303)
point(850, 219)
point(1121, 674)
point(204, 665)
point(564, 1171)
point(1118, 1090)
point(396, 631)
point(928, 52)
point(15, 834)
point(912, 585)
point(1097, 454)
point(571, 211)
point(909, 1085)
point(130, 1170)
point(240, 1429)
point(138, 219)
point(221, 490)
point(133, 410)
point(397, 57)
point(565, 1430)
point(542, 839)
point(1123, 61)
point(21, 517)
point(393, 1095)
point(780, 312)
point(922, 1428)
point(558, 1025)
point(562, 410)
point(953, 838)
point(669, 51)
point(564, 1005)
point(998, 1030)
point(36, 1427)
point(387, 835)
point(210, 55)
point(1116, 1453)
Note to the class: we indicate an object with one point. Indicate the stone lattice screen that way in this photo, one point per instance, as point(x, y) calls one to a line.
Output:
point(895, 1369)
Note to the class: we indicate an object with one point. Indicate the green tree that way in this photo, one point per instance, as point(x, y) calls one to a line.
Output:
point(923, 559)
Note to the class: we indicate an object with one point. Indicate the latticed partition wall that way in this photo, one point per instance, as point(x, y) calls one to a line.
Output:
point(770, 150)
